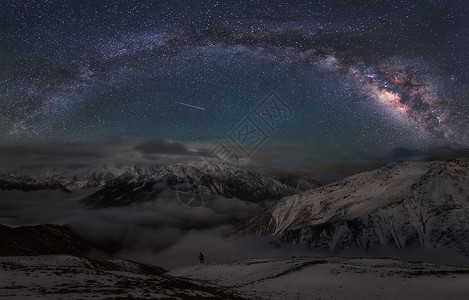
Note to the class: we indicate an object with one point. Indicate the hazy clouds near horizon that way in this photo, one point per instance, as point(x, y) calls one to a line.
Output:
point(313, 161)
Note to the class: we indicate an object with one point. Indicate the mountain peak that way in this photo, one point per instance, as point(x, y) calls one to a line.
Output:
point(402, 205)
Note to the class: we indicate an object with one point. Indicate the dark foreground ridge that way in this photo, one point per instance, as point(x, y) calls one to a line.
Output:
point(41, 240)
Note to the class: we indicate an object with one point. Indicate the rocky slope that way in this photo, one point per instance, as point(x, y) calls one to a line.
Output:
point(403, 205)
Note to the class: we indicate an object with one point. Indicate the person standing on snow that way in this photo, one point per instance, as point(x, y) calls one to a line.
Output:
point(201, 258)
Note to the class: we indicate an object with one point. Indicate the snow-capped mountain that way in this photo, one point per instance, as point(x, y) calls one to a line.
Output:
point(201, 178)
point(402, 205)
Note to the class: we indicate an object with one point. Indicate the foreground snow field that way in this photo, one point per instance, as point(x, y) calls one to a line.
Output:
point(333, 278)
point(70, 277)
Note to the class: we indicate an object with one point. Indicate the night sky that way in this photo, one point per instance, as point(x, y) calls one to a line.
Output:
point(358, 78)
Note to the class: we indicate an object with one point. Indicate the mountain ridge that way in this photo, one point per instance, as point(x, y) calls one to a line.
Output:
point(199, 178)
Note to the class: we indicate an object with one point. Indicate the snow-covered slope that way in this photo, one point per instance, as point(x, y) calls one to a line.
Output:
point(405, 204)
point(201, 178)
point(333, 278)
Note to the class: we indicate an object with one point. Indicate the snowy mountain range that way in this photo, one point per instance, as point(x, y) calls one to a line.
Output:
point(80, 177)
point(120, 185)
point(403, 205)
point(198, 178)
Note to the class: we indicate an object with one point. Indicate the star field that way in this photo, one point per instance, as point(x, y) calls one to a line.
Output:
point(368, 76)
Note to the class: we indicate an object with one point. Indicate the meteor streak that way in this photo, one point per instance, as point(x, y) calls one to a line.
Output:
point(189, 105)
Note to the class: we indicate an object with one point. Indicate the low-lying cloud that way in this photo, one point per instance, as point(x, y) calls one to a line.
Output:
point(161, 232)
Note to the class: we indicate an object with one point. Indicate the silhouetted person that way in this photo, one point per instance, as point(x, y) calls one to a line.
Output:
point(201, 258)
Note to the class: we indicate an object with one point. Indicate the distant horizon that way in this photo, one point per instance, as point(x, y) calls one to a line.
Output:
point(268, 159)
